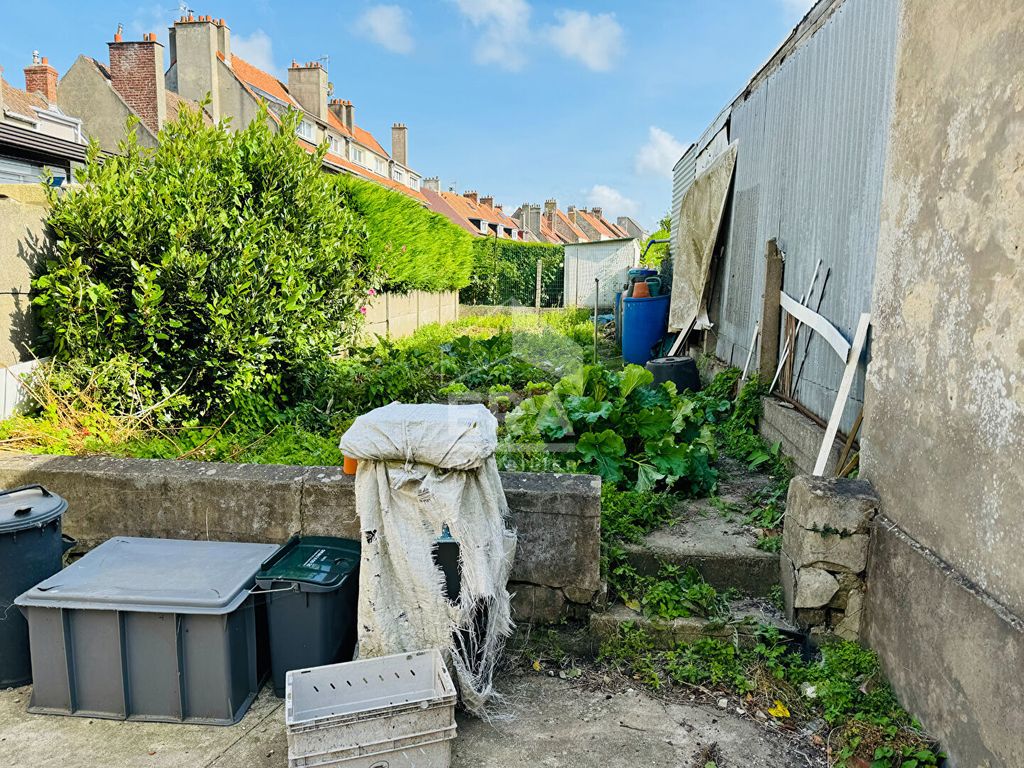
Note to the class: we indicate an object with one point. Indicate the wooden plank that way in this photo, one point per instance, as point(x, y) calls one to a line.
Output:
point(771, 312)
point(750, 352)
point(852, 359)
point(821, 325)
point(786, 347)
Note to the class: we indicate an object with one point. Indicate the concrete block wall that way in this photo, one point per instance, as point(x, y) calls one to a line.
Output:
point(556, 573)
point(25, 242)
point(400, 315)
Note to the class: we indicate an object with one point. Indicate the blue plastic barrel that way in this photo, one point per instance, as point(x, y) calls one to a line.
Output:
point(644, 324)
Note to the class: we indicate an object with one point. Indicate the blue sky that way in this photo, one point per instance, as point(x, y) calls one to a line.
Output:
point(587, 102)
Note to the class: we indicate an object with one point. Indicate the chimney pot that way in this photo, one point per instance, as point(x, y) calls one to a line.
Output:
point(41, 78)
point(471, 196)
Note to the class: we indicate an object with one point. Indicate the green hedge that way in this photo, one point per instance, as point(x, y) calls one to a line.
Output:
point(505, 273)
point(416, 248)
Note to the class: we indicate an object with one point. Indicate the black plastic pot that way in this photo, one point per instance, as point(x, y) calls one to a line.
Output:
point(681, 370)
point(31, 550)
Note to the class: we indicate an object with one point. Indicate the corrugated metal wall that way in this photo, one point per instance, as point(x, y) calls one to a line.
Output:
point(812, 137)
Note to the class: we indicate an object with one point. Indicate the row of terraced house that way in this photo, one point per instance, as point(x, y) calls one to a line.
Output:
point(95, 100)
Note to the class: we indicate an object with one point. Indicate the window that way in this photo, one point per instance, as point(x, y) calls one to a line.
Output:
point(358, 155)
point(305, 130)
point(399, 176)
point(381, 166)
point(334, 145)
point(414, 181)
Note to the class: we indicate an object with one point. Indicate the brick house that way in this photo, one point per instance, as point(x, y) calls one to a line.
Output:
point(478, 215)
point(37, 137)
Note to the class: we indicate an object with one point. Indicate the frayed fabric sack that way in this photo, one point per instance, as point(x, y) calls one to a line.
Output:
point(423, 467)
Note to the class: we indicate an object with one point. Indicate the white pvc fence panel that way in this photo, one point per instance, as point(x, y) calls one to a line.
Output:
point(12, 391)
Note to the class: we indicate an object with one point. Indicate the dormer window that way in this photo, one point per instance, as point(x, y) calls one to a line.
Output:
point(305, 130)
point(358, 156)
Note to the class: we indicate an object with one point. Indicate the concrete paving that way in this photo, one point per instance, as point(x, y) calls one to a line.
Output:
point(548, 722)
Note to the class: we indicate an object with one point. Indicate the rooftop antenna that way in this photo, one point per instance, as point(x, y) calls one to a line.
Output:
point(184, 10)
point(325, 60)
point(35, 57)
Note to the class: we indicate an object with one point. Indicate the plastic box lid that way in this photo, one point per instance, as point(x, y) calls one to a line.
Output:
point(154, 576)
point(30, 506)
point(314, 563)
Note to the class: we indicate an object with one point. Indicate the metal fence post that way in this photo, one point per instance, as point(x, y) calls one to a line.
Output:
point(536, 300)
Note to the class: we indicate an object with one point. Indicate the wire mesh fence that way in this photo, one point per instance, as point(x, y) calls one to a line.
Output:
point(515, 274)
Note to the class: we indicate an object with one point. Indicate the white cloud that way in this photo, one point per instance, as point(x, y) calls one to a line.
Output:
point(257, 49)
point(388, 26)
point(504, 28)
point(151, 18)
point(659, 154)
point(595, 40)
point(612, 201)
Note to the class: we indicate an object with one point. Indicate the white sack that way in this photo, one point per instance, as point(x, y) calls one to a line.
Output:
point(421, 467)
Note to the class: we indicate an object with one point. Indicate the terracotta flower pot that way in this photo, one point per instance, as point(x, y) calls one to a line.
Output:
point(641, 290)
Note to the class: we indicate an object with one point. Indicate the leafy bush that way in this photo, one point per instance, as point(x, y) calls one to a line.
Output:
point(625, 431)
point(416, 249)
point(658, 252)
point(220, 262)
point(505, 273)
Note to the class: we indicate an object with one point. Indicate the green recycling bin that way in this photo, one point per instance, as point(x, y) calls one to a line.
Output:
point(311, 587)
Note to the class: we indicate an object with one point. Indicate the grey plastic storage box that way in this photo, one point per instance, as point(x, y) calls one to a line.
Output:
point(312, 585)
point(31, 549)
point(393, 710)
point(148, 629)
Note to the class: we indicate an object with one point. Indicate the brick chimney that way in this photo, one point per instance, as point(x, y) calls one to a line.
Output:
point(499, 207)
point(137, 74)
point(400, 144)
point(488, 201)
point(471, 195)
point(571, 213)
point(308, 84)
point(596, 212)
point(196, 42)
point(432, 183)
point(344, 111)
point(41, 78)
point(550, 206)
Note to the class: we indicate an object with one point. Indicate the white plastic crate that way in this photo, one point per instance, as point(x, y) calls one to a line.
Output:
point(393, 710)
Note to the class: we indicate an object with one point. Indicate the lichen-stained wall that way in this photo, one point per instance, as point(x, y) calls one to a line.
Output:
point(944, 436)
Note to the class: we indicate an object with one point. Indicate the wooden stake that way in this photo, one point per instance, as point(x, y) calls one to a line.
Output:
point(848, 445)
point(771, 310)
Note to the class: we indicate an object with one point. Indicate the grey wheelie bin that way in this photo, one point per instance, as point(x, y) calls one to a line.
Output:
point(31, 550)
point(311, 586)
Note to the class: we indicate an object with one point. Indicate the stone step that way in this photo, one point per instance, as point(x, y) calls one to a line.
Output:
point(710, 535)
point(747, 616)
point(722, 550)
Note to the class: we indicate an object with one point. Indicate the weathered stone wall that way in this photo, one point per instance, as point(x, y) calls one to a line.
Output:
point(800, 436)
point(399, 314)
point(556, 571)
point(825, 553)
point(943, 439)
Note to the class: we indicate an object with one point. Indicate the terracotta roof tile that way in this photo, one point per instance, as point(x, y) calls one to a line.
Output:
point(469, 210)
point(263, 81)
point(597, 224)
point(564, 218)
point(22, 102)
point(365, 138)
point(438, 204)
